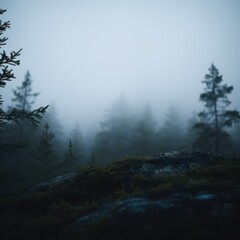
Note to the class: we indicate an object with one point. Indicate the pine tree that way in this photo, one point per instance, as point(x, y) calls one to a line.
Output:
point(143, 140)
point(23, 96)
point(190, 135)
point(214, 119)
point(6, 74)
point(6, 60)
point(113, 139)
point(23, 132)
point(101, 152)
point(51, 117)
point(69, 158)
point(170, 135)
point(77, 142)
point(45, 152)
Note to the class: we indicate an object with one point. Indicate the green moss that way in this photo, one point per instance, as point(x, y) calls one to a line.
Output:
point(33, 215)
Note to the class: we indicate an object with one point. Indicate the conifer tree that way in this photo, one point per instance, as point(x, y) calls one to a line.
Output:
point(45, 152)
point(23, 132)
point(113, 139)
point(170, 135)
point(23, 96)
point(214, 119)
point(77, 142)
point(51, 117)
point(7, 61)
point(69, 158)
point(143, 140)
point(236, 138)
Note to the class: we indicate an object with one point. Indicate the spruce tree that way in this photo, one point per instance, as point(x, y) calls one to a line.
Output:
point(77, 142)
point(7, 61)
point(23, 96)
point(170, 135)
point(23, 132)
point(215, 118)
point(143, 139)
point(45, 152)
point(69, 158)
point(113, 139)
point(51, 117)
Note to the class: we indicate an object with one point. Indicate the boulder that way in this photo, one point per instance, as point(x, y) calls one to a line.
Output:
point(182, 215)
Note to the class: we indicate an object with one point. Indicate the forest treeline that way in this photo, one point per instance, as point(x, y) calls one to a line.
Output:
point(34, 146)
point(46, 150)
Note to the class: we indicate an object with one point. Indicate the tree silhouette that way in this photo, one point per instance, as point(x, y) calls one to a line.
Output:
point(113, 139)
point(78, 145)
point(23, 96)
point(23, 132)
point(6, 74)
point(45, 152)
point(69, 158)
point(214, 118)
point(170, 135)
point(143, 140)
point(52, 118)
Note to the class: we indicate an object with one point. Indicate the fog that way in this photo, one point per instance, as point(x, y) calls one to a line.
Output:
point(83, 55)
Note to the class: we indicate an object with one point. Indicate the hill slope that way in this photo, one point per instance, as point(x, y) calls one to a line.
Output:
point(175, 195)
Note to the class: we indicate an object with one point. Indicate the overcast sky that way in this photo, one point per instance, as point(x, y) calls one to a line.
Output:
point(82, 54)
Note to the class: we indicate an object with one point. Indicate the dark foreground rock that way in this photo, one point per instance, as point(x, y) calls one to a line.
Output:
point(177, 195)
point(182, 215)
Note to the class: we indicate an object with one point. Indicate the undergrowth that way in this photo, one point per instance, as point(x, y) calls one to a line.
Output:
point(33, 215)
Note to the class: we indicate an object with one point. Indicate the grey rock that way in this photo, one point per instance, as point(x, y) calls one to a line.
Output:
point(51, 184)
point(184, 207)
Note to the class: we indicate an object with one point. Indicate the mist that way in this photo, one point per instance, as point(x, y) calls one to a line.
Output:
point(83, 55)
point(122, 120)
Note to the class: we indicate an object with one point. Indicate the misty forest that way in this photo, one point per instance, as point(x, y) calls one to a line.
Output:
point(141, 173)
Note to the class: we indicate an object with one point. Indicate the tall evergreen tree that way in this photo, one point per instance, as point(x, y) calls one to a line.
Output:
point(77, 144)
point(101, 152)
point(191, 135)
point(170, 135)
point(23, 96)
point(23, 132)
point(51, 117)
point(214, 119)
point(45, 152)
point(143, 140)
point(70, 159)
point(113, 139)
point(236, 138)
point(6, 74)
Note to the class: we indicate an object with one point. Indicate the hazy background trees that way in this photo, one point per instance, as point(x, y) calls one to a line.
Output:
point(18, 114)
point(113, 139)
point(126, 129)
point(78, 144)
point(50, 148)
point(143, 139)
point(45, 153)
point(171, 133)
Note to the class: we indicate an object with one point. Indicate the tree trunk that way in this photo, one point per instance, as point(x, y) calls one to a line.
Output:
point(216, 129)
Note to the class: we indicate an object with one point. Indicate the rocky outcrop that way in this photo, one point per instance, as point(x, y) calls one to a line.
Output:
point(163, 164)
point(177, 195)
point(167, 164)
point(51, 184)
point(182, 215)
